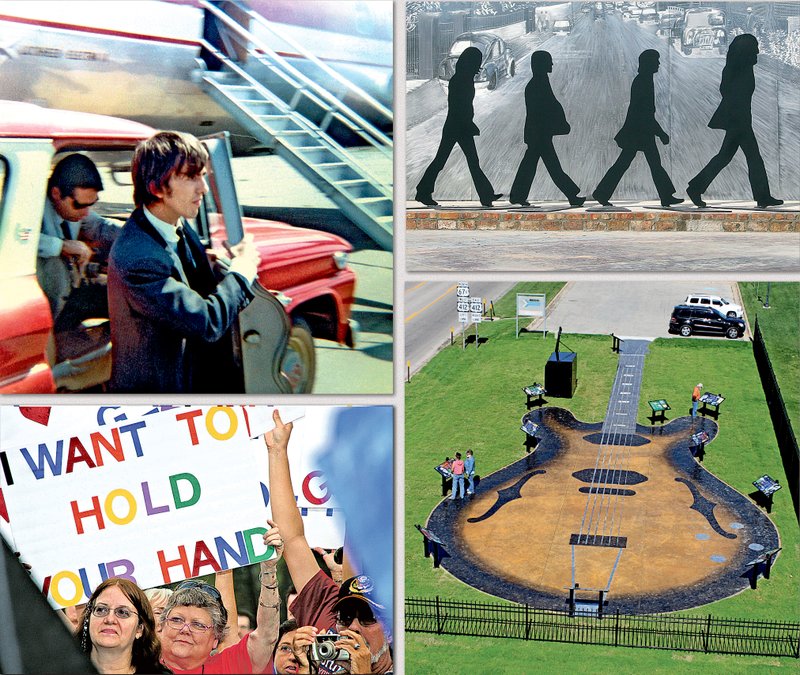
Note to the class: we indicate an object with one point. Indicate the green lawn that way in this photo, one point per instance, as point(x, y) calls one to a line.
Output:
point(478, 404)
point(780, 325)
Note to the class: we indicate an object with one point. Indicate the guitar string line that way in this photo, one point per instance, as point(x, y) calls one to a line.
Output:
point(614, 454)
point(626, 453)
point(600, 459)
point(607, 443)
point(609, 500)
point(635, 363)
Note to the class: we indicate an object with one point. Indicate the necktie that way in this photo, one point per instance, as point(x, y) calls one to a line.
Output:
point(65, 229)
point(184, 254)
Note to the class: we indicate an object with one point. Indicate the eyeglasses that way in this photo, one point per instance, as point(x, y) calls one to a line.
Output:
point(79, 206)
point(178, 622)
point(123, 613)
point(201, 586)
point(363, 614)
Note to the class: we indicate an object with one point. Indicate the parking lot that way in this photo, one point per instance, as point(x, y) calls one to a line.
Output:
point(639, 308)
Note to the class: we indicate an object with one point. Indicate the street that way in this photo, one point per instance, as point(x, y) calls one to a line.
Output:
point(430, 315)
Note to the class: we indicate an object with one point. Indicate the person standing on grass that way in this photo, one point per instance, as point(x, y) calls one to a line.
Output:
point(696, 398)
point(469, 471)
point(458, 476)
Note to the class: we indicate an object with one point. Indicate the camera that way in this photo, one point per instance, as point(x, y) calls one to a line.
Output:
point(323, 649)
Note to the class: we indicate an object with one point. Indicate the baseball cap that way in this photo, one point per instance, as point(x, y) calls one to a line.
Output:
point(360, 588)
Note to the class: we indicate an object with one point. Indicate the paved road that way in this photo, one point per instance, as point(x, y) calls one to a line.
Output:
point(627, 308)
point(592, 73)
point(683, 252)
point(430, 314)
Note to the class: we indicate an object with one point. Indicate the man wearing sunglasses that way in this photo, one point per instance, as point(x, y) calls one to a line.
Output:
point(67, 223)
point(194, 623)
point(321, 604)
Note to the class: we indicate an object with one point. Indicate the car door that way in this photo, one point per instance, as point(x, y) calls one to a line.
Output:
point(713, 321)
point(262, 333)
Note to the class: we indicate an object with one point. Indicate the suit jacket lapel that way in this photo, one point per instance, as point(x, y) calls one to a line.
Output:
point(147, 227)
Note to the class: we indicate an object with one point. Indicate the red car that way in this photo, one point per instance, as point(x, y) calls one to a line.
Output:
point(307, 287)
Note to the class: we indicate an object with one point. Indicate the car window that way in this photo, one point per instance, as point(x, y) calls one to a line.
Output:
point(716, 303)
point(459, 46)
point(705, 301)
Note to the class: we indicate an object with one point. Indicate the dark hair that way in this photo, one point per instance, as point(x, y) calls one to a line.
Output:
point(470, 60)
point(740, 51)
point(540, 59)
point(159, 157)
point(648, 56)
point(458, 455)
point(146, 650)
point(248, 615)
point(74, 171)
point(286, 627)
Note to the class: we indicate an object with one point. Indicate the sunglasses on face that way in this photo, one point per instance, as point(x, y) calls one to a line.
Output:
point(364, 615)
point(178, 622)
point(101, 611)
point(79, 206)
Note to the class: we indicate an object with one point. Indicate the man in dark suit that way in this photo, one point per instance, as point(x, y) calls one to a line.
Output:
point(545, 118)
point(165, 303)
point(68, 222)
point(639, 133)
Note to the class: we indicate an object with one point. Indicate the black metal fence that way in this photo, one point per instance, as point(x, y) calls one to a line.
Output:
point(787, 442)
point(650, 631)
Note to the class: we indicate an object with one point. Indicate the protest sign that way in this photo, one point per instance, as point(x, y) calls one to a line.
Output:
point(152, 494)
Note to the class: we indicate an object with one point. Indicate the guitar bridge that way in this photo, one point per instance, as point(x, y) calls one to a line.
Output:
point(598, 540)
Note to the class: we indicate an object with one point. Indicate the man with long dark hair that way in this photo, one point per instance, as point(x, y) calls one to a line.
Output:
point(735, 116)
point(459, 128)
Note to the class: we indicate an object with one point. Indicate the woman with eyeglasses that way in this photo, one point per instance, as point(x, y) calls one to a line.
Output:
point(194, 623)
point(117, 630)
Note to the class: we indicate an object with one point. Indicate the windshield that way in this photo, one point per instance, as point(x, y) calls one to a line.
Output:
point(461, 45)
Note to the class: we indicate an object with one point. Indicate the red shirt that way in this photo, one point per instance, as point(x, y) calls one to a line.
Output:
point(229, 661)
point(458, 467)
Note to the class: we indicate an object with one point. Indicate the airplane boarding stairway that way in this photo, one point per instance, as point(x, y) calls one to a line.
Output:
point(287, 111)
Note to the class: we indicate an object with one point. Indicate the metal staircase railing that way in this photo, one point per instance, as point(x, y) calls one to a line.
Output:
point(287, 111)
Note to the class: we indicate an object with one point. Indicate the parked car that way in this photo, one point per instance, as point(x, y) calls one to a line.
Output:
point(688, 319)
point(727, 307)
point(648, 16)
point(303, 272)
point(498, 60)
point(704, 29)
point(562, 27)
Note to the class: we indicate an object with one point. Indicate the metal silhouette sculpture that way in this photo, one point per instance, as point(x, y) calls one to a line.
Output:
point(734, 115)
point(544, 119)
point(459, 128)
point(638, 134)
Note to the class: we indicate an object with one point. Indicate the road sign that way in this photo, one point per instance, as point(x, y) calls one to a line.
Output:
point(462, 290)
point(476, 308)
point(463, 317)
point(462, 306)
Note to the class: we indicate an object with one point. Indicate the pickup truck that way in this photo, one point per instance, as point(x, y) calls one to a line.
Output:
point(305, 287)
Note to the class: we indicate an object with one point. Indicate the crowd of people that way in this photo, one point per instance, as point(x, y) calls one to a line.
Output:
point(335, 622)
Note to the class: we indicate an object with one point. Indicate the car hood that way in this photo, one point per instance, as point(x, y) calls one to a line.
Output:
point(284, 246)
